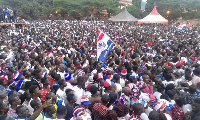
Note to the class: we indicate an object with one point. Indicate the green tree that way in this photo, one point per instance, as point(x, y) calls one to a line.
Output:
point(135, 11)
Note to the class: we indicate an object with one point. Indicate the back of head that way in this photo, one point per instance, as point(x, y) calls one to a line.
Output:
point(32, 89)
point(80, 80)
point(171, 93)
point(93, 89)
point(70, 97)
point(61, 82)
point(154, 115)
point(180, 101)
point(12, 99)
point(105, 98)
point(116, 77)
point(18, 109)
point(164, 96)
point(113, 97)
point(61, 110)
point(137, 108)
point(192, 89)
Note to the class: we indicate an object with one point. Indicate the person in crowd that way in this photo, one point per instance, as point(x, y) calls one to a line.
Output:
point(61, 112)
point(14, 101)
point(58, 61)
point(99, 110)
point(70, 106)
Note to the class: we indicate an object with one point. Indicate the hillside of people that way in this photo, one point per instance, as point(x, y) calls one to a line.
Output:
point(49, 70)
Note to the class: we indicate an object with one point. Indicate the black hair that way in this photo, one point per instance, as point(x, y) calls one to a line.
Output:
point(36, 73)
point(43, 80)
point(153, 115)
point(196, 100)
point(168, 77)
point(48, 95)
point(93, 89)
point(164, 96)
point(135, 68)
point(34, 103)
point(180, 101)
point(169, 87)
point(160, 88)
point(80, 80)
point(70, 97)
point(137, 107)
point(113, 97)
point(12, 93)
point(27, 84)
point(57, 77)
point(95, 77)
point(105, 98)
point(116, 77)
point(171, 93)
point(18, 109)
point(11, 99)
point(67, 91)
point(32, 89)
point(197, 71)
point(61, 110)
point(192, 89)
point(61, 82)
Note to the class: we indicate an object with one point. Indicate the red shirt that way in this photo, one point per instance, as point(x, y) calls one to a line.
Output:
point(43, 93)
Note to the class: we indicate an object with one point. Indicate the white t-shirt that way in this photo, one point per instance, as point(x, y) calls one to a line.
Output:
point(157, 95)
point(144, 116)
point(61, 94)
point(78, 92)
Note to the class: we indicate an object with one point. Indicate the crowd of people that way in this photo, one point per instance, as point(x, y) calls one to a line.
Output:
point(50, 70)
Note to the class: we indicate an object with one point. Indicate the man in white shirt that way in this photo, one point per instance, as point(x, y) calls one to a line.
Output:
point(61, 91)
point(78, 89)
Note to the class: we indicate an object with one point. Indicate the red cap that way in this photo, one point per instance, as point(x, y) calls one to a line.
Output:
point(179, 63)
point(170, 64)
point(149, 43)
point(23, 46)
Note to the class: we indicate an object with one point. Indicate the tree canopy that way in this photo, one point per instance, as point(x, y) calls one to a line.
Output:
point(33, 9)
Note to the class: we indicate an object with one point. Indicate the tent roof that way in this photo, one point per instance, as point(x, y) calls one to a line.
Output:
point(153, 17)
point(123, 16)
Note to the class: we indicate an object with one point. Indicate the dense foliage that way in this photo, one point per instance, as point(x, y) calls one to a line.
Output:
point(33, 9)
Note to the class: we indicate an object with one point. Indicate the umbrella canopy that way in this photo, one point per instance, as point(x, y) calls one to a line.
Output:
point(153, 17)
point(123, 16)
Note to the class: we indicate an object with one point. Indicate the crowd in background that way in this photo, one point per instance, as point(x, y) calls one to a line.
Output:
point(49, 70)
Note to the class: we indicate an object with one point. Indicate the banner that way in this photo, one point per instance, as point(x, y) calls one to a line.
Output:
point(104, 45)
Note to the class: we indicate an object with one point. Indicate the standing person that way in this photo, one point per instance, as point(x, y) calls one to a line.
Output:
point(4, 108)
point(95, 98)
point(14, 101)
point(48, 112)
point(7, 15)
point(149, 88)
point(195, 109)
point(61, 91)
point(61, 112)
point(138, 110)
point(99, 109)
point(70, 106)
point(176, 111)
point(46, 88)
point(35, 94)
point(78, 89)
